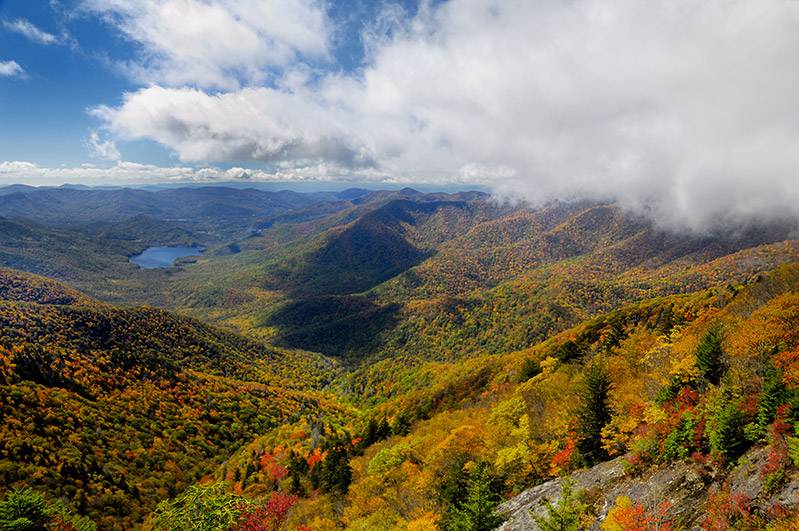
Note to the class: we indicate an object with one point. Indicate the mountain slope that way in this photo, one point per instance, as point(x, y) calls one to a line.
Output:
point(520, 414)
point(113, 410)
point(540, 270)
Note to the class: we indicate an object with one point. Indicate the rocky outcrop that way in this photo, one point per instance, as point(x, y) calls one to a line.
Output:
point(683, 485)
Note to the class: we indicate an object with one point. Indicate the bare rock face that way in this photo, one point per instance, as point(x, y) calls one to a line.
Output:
point(520, 508)
point(748, 479)
point(682, 485)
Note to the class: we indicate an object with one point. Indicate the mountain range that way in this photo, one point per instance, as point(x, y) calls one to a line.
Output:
point(392, 359)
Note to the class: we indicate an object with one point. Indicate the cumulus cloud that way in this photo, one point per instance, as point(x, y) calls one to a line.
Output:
point(215, 44)
point(11, 69)
point(683, 110)
point(264, 124)
point(30, 31)
point(102, 148)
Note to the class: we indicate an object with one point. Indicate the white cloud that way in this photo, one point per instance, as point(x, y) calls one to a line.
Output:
point(124, 172)
point(11, 69)
point(102, 148)
point(216, 44)
point(685, 110)
point(28, 30)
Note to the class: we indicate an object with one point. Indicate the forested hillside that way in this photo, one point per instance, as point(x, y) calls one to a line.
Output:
point(394, 360)
point(114, 410)
point(699, 379)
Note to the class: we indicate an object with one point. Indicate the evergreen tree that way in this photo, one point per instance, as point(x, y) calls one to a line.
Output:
point(298, 466)
point(336, 473)
point(476, 513)
point(615, 335)
point(370, 436)
point(402, 424)
point(565, 516)
point(569, 351)
point(23, 509)
point(772, 395)
point(726, 432)
point(710, 356)
point(594, 413)
point(530, 369)
point(383, 429)
point(453, 482)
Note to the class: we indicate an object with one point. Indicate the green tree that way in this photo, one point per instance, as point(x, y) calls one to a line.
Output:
point(477, 512)
point(336, 473)
point(200, 508)
point(569, 351)
point(402, 424)
point(710, 356)
point(772, 395)
point(595, 412)
point(726, 432)
point(565, 516)
point(23, 509)
point(529, 369)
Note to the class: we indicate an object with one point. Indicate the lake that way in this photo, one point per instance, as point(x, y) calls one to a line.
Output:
point(157, 257)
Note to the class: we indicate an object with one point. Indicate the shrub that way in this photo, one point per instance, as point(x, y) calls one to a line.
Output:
point(567, 514)
point(724, 510)
point(628, 516)
point(679, 443)
point(793, 450)
point(269, 517)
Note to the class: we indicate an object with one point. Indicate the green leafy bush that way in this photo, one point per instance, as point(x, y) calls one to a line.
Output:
point(679, 442)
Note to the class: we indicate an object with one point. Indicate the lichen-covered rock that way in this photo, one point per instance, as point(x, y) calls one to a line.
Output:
point(683, 486)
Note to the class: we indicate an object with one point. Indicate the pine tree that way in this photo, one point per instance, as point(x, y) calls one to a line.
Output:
point(476, 513)
point(370, 435)
point(336, 473)
point(298, 466)
point(23, 509)
point(726, 433)
point(772, 395)
point(402, 424)
point(565, 516)
point(530, 369)
point(595, 412)
point(383, 429)
point(710, 356)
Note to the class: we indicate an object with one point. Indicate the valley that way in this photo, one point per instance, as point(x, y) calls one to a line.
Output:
point(371, 359)
point(399, 265)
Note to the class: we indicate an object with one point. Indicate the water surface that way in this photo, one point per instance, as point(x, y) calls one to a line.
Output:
point(157, 257)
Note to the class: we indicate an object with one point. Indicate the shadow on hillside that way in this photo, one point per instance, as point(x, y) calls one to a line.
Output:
point(341, 326)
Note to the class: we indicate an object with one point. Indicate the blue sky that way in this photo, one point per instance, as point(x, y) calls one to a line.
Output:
point(43, 112)
point(680, 110)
